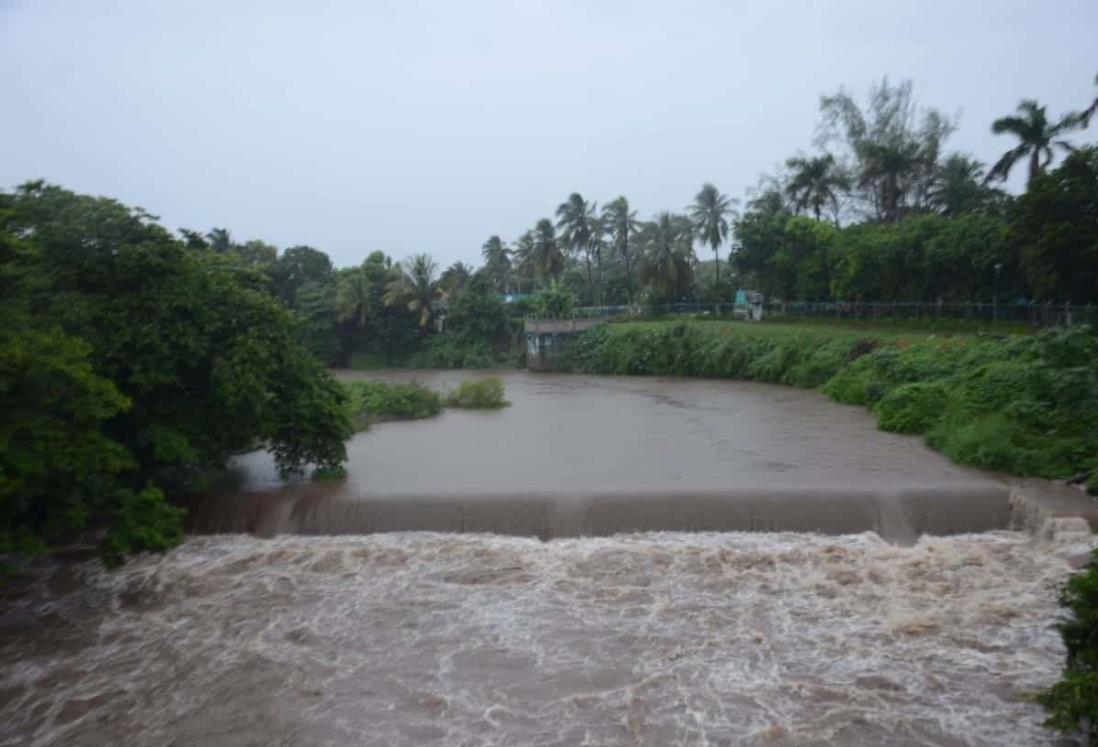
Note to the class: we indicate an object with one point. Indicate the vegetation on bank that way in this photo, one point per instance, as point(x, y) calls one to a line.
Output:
point(371, 402)
point(1072, 702)
point(1026, 404)
point(129, 363)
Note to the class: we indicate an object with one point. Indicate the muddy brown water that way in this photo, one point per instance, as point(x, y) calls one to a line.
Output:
point(635, 638)
point(587, 455)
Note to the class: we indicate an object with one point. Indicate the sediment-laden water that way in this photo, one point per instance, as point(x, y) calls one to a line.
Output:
point(390, 639)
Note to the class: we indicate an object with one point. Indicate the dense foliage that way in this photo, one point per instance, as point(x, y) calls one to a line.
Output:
point(1073, 701)
point(128, 360)
point(1026, 405)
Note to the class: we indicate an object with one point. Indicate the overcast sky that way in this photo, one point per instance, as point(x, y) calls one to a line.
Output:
point(427, 126)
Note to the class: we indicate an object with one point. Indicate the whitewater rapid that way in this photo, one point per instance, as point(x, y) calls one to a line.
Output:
point(693, 639)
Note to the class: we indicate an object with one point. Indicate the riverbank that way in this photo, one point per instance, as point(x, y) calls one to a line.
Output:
point(1023, 404)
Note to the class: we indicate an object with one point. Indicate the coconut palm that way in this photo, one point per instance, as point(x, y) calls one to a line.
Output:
point(522, 261)
point(959, 187)
point(709, 215)
point(815, 182)
point(1037, 136)
point(414, 287)
point(621, 224)
point(497, 262)
point(353, 296)
point(598, 242)
point(574, 221)
point(454, 278)
point(665, 266)
point(545, 253)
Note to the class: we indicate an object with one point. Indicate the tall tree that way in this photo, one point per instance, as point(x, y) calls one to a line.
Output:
point(814, 183)
point(415, 287)
point(1056, 224)
point(666, 267)
point(959, 187)
point(1036, 135)
point(220, 240)
point(710, 213)
point(497, 263)
point(891, 144)
point(621, 224)
point(574, 222)
point(524, 261)
point(598, 243)
point(454, 278)
point(545, 253)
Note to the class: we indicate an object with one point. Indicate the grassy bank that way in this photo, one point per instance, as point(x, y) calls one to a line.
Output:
point(1023, 404)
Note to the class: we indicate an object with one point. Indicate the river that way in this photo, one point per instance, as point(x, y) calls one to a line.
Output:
point(655, 638)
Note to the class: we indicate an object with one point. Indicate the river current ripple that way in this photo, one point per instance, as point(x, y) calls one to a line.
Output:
point(648, 639)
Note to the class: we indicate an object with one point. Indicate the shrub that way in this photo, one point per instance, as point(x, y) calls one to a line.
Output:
point(1073, 701)
point(376, 402)
point(478, 394)
point(912, 408)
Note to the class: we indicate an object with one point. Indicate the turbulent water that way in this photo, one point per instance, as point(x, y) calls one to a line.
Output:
point(694, 639)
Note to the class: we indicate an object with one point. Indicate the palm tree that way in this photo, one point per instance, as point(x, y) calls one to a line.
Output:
point(454, 278)
point(497, 262)
point(545, 253)
point(1037, 135)
point(621, 224)
point(353, 296)
point(414, 287)
point(959, 187)
point(814, 183)
point(523, 263)
point(1083, 117)
point(574, 220)
point(666, 266)
point(220, 240)
point(598, 242)
point(709, 215)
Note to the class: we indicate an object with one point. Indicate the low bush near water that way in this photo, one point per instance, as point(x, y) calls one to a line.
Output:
point(376, 402)
point(478, 394)
point(1026, 405)
point(1072, 702)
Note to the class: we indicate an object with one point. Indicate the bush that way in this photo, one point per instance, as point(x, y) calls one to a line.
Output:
point(912, 408)
point(376, 402)
point(1073, 701)
point(478, 394)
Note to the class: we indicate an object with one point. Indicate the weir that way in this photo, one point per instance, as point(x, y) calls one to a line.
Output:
point(581, 456)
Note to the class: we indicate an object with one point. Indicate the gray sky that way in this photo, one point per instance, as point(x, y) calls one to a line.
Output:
point(427, 126)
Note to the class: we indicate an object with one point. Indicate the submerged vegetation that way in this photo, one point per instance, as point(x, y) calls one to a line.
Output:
point(1026, 404)
point(372, 402)
point(376, 402)
point(478, 394)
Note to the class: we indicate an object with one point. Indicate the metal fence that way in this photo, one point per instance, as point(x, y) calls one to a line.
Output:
point(1034, 314)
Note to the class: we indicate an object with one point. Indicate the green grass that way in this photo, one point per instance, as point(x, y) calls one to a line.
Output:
point(1022, 404)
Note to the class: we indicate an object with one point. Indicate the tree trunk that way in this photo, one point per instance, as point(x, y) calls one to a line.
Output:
point(1034, 166)
point(628, 271)
point(590, 281)
point(717, 266)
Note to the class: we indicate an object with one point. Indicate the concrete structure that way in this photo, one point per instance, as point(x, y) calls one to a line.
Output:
point(544, 337)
